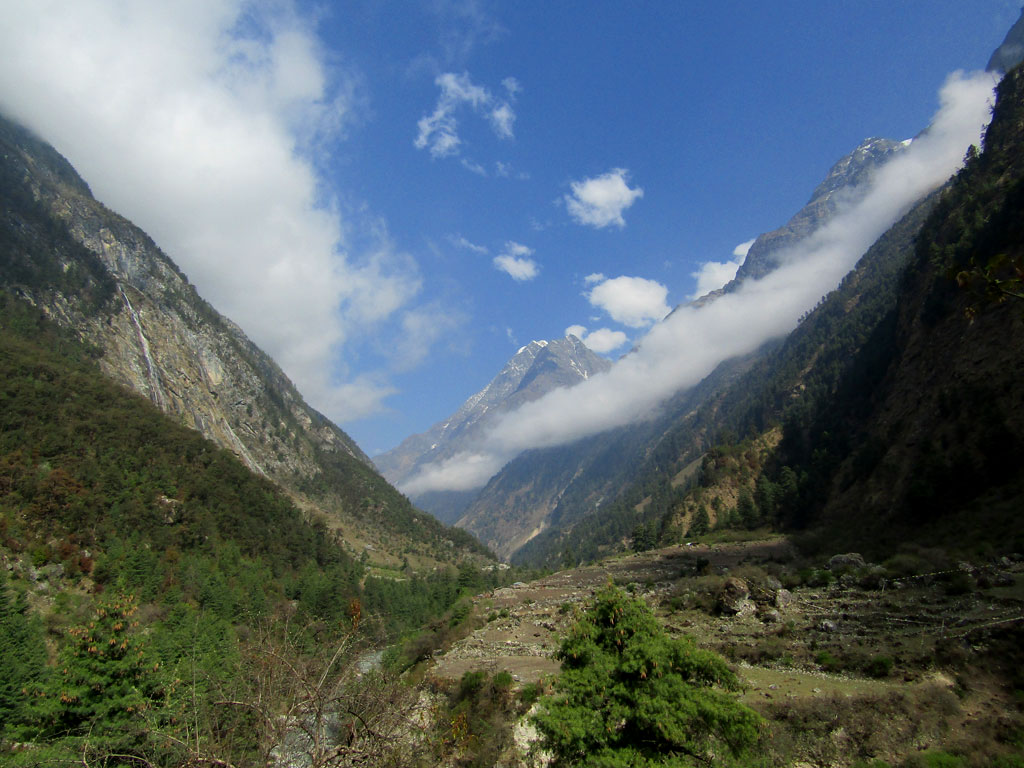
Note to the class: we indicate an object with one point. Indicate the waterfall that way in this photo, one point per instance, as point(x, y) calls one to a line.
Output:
point(156, 392)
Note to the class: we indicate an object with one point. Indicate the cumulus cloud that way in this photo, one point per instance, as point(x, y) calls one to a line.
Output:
point(198, 121)
point(632, 301)
point(514, 262)
point(686, 347)
point(602, 341)
point(438, 131)
point(594, 277)
point(600, 201)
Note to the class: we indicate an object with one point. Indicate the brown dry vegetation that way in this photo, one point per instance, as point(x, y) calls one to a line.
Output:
point(873, 663)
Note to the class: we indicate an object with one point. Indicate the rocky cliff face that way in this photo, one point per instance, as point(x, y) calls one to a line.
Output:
point(159, 338)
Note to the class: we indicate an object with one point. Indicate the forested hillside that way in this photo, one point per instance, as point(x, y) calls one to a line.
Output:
point(152, 575)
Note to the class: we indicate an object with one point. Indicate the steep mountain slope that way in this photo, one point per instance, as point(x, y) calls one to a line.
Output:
point(898, 397)
point(923, 437)
point(548, 491)
point(91, 270)
point(779, 382)
point(1011, 52)
point(534, 370)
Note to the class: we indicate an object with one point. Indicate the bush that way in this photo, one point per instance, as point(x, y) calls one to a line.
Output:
point(828, 662)
point(879, 666)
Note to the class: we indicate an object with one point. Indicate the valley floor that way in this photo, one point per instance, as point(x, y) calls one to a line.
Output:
point(857, 662)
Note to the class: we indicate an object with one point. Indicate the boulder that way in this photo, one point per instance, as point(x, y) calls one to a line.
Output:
point(849, 560)
point(734, 599)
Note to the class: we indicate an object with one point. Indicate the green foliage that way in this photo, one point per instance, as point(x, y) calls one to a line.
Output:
point(22, 655)
point(628, 694)
point(477, 726)
point(879, 666)
point(104, 686)
point(934, 758)
point(701, 522)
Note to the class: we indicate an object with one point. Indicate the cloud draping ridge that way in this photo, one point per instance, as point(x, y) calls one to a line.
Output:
point(602, 340)
point(678, 352)
point(198, 120)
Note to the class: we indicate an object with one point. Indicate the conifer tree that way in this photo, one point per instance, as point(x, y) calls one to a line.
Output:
point(104, 686)
point(630, 695)
point(22, 655)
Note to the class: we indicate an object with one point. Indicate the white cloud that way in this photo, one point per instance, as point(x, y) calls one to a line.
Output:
point(438, 131)
point(197, 120)
point(513, 261)
point(502, 117)
point(594, 277)
point(461, 242)
point(686, 347)
point(476, 168)
point(632, 301)
point(712, 275)
point(743, 249)
point(602, 341)
point(600, 201)
point(421, 328)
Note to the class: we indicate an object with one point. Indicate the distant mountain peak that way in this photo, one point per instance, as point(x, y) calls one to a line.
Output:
point(534, 370)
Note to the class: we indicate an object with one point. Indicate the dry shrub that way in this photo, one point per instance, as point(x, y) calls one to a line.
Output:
point(838, 730)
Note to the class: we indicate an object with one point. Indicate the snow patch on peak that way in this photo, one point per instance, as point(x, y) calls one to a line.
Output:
point(533, 343)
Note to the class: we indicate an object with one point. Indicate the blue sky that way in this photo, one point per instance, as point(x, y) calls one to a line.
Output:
point(345, 179)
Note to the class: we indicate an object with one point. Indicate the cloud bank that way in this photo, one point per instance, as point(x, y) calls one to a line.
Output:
point(687, 346)
point(199, 120)
point(600, 201)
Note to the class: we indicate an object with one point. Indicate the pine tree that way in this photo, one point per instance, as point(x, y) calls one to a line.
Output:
point(630, 695)
point(105, 684)
point(22, 655)
point(701, 523)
